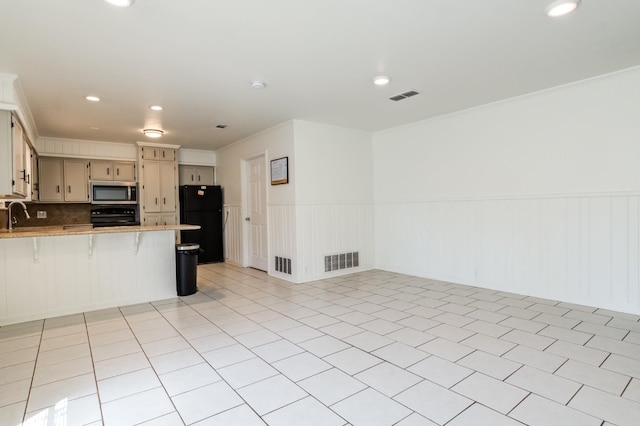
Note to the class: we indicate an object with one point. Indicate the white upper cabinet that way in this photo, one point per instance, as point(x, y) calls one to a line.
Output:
point(15, 162)
point(124, 171)
point(63, 180)
point(158, 153)
point(196, 175)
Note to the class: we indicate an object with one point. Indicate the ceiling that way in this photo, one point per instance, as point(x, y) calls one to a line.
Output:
point(197, 58)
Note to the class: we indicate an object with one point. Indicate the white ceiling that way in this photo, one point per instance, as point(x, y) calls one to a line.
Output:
point(318, 57)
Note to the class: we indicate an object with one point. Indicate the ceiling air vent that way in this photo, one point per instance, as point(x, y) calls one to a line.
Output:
point(404, 95)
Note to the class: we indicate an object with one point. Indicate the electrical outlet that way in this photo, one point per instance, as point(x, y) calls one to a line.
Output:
point(42, 214)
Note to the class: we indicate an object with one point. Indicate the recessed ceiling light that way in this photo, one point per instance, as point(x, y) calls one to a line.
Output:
point(561, 7)
point(120, 3)
point(257, 84)
point(153, 133)
point(94, 128)
point(92, 98)
point(381, 80)
point(156, 107)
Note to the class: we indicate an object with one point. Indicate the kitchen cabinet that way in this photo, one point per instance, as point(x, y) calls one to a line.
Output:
point(15, 159)
point(158, 153)
point(63, 180)
point(50, 180)
point(158, 184)
point(35, 182)
point(76, 180)
point(160, 219)
point(196, 175)
point(159, 187)
point(124, 171)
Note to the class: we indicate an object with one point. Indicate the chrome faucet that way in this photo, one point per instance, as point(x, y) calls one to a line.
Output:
point(11, 219)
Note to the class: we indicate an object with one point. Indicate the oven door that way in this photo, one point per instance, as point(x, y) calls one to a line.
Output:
point(113, 193)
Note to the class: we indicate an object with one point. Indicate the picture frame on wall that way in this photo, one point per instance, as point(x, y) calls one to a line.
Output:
point(280, 171)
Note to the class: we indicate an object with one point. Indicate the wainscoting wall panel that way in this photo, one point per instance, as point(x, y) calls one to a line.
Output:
point(326, 229)
point(44, 277)
point(306, 233)
point(233, 223)
point(282, 238)
point(580, 249)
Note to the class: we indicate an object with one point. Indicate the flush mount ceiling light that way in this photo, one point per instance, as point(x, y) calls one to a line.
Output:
point(120, 3)
point(381, 80)
point(561, 7)
point(92, 98)
point(153, 133)
point(257, 84)
point(156, 107)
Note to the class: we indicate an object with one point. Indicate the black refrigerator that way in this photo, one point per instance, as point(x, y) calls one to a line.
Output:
point(202, 205)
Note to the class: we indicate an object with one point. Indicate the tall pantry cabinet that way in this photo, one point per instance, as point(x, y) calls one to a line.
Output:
point(158, 184)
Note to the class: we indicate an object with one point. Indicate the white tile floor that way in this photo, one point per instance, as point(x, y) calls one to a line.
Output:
point(373, 348)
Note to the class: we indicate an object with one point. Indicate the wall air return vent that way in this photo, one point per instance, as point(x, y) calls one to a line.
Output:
point(335, 262)
point(283, 265)
point(404, 95)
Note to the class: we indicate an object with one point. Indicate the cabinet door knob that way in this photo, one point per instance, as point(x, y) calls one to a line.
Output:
point(247, 219)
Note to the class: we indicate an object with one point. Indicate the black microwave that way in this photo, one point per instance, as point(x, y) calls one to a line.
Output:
point(114, 193)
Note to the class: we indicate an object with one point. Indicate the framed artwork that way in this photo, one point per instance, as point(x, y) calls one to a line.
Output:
point(280, 171)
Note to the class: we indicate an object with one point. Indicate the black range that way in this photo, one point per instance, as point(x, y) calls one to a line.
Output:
point(113, 216)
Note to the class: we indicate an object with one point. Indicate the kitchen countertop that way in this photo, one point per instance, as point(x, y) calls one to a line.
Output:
point(54, 231)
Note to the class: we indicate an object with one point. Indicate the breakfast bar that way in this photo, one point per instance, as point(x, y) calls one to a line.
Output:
point(52, 271)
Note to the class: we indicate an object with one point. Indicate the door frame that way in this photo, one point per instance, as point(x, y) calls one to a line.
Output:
point(244, 161)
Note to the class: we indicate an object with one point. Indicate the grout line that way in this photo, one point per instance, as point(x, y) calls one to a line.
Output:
point(33, 374)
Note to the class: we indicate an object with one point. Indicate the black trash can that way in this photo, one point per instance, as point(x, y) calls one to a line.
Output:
point(186, 268)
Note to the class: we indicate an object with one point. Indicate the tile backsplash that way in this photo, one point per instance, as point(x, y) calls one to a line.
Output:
point(57, 214)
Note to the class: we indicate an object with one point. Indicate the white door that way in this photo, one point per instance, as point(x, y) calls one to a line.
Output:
point(256, 219)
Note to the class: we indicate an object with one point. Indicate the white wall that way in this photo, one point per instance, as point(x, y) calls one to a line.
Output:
point(537, 194)
point(335, 164)
point(196, 157)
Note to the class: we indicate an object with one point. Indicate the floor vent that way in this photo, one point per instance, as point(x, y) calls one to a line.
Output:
point(283, 265)
point(404, 95)
point(335, 262)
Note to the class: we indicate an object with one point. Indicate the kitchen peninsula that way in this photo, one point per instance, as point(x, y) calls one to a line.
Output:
point(52, 271)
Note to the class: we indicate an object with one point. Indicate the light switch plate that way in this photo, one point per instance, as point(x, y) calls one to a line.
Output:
point(42, 214)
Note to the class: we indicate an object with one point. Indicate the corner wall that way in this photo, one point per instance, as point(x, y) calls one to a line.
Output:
point(334, 197)
point(325, 209)
point(273, 143)
point(538, 195)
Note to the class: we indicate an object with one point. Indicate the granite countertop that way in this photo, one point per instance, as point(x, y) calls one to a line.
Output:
point(81, 229)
